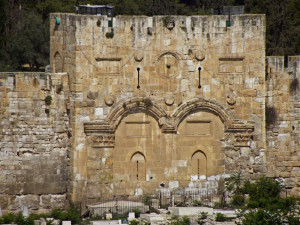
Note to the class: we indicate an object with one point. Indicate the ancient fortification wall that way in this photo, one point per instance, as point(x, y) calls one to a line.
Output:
point(34, 142)
point(151, 104)
point(283, 113)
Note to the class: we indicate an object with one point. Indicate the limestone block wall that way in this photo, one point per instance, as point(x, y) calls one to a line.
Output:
point(283, 112)
point(152, 65)
point(34, 141)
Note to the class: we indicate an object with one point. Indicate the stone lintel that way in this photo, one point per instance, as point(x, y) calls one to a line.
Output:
point(97, 127)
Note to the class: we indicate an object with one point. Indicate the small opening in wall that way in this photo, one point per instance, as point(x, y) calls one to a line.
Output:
point(162, 185)
point(286, 61)
point(151, 178)
point(168, 66)
point(293, 127)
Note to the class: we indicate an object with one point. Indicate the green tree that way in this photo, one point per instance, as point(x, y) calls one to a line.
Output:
point(29, 44)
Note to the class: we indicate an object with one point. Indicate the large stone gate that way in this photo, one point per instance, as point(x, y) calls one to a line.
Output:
point(150, 104)
point(162, 102)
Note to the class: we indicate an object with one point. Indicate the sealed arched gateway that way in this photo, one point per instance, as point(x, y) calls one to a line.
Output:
point(148, 148)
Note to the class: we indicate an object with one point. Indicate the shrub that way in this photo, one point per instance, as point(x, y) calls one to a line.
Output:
point(238, 200)
point(222, 218)
point(180, 221)
point(73, 214)
point(201, 218)
point(137, 212)
point(261, 217)
point(197, 203)
point(263, 192)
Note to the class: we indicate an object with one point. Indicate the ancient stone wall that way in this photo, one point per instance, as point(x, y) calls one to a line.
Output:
point(34, 142)
point(283, 120)
point(152, 104)
point(162, 93)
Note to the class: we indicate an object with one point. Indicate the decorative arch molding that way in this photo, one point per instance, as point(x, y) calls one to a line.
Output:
point(122, 108)
point(172, 53)
point(133, 105)
point(103, 131)
point(198, 104)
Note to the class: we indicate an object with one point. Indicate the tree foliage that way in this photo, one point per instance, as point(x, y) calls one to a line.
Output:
point(262, 202)
point(24, 24)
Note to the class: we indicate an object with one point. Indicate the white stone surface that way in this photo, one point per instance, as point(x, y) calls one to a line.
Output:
point(190, 211)
point(173, 184)
point(66, 222)
point(105, 222)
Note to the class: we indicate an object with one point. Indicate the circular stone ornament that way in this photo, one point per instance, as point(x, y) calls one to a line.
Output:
point(109, 100)
point(199, 55)
point(169, 100)
point(138, 56)
point(231, 98)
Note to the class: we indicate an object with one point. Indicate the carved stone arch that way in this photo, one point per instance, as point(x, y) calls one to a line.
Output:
point(168, 64)
point(174, 54)
point(200, 103)
point(131, 106)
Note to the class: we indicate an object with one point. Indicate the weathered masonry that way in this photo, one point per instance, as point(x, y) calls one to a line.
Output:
point(151, 104)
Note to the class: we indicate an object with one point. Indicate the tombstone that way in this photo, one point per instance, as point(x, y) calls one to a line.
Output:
point(25, 212)
point(37, 222)
point(108, 216)
point(0, 211)
point(131, 216)
point(66, 223)
point(155, 203)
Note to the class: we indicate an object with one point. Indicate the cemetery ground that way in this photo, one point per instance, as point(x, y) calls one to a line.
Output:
point(259, 202)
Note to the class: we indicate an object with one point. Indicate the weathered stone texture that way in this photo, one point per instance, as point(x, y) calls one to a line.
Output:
point(33, 144)
point(282, 95)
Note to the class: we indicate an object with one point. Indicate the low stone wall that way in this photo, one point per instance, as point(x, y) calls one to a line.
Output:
point(34, 140)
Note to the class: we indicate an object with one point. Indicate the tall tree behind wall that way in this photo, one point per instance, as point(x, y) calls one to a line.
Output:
point(283, 24)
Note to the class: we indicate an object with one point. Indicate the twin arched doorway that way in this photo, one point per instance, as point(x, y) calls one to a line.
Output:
point(144, 156)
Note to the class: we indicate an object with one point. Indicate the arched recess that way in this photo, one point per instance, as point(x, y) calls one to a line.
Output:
point(199, 165)
point(137, 167)
point(57, 63)
point(199, 104)
point(132, 106)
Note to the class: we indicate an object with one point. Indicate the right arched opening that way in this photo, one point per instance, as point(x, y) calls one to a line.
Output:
point(199, 165)
point(138, 167)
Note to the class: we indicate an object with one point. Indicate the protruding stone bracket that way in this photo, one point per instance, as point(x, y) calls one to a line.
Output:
point(243, 133)
point(103, 141)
